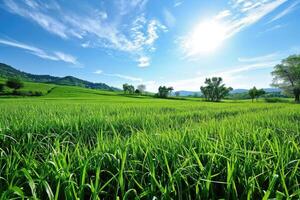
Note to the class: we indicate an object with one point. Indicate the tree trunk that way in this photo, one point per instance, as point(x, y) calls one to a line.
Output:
point(297, 95)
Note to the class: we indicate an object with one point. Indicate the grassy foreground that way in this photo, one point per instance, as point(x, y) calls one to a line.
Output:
point(109, 146)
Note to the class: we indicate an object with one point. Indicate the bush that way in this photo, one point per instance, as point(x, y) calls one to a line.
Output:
point(16, 92)
point(37, 93)
point(14, 84)
point(276, 100)
point(1, 87)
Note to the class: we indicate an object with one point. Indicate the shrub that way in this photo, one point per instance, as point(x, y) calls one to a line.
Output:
point(37, 93)
point(1, 87)
point(14, 84)
point(276, 100)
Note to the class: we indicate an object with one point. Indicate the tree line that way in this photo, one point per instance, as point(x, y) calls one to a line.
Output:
point(129, 89)
point(13, 84)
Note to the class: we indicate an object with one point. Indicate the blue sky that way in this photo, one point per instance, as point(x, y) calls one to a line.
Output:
point(173, 42)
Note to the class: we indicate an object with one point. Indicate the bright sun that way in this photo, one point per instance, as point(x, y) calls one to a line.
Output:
point(205, 38)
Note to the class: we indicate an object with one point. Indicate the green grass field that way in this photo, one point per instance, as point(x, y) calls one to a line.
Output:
point(76, 143)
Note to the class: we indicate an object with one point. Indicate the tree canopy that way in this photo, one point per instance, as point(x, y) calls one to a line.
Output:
point(164, 91)
point(256, 93)
point(214, 90)
point(128, 89)
point(287, 76)
point(1, 87)
point(14, 84)
point(141, 88)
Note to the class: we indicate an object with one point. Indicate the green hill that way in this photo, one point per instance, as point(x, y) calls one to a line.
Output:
point(7, 71)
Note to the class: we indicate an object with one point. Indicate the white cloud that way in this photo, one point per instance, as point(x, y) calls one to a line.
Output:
point(239, 76)
point(264, 58)
point(66, 57)
point(98, 72)
point(144, 61)
point(278, 26)
point(153, 26)
point(242, 14)
point(121, 76)
point(127, 30)
point(169, 18)
point(230, 76)
point(223, 14)
point(178, 3)
point(56, 56)
point(285, 11)
point(32, 12)
point(86, 44)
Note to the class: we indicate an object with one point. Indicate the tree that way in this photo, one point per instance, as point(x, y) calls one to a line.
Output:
point(128, 89)
point(164, 91)
point(14, 84)
point(141, 88)
point(255, 93)
point(137, 91)
point(287, 76)
point(1, 87)
point(131, 89)
point(214, 89)
point(125, 88)
point(177, 94)
point(260, 92)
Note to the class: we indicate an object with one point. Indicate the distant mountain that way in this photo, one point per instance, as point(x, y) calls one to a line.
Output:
point(235, 91)
point(272, 90)
point(185, 93)
point(7, 71)
point(267, 90)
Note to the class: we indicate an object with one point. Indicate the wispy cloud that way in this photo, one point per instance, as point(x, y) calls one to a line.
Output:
point(31, 10)
point(248, 13)
point(65, 57)
point(240, 15)
point(178, 3)
point(278, 26)
point(264, 58)
point(223, 14)
point(98, 72)
point(170, 20)
point(121, 76)
point(144, 61)
point(285, 11)
point(56, 56)
point(229, 76)
point(237, 76)
point(127, 30)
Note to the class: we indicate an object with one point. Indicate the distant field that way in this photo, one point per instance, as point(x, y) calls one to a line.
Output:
point(81, 143)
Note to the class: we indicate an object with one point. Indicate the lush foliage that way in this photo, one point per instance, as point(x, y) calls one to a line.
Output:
point(78, 143)
point(164, 92)
point(14, 84)
point(1, 87)
point(287, 76)
point(141, 88)
point(214, 90)
point(128, 89)
point(256, 93)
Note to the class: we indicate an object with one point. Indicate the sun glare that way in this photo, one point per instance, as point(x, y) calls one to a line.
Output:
point(205, 38)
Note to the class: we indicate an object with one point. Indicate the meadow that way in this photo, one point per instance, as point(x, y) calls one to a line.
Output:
point(76, 143)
